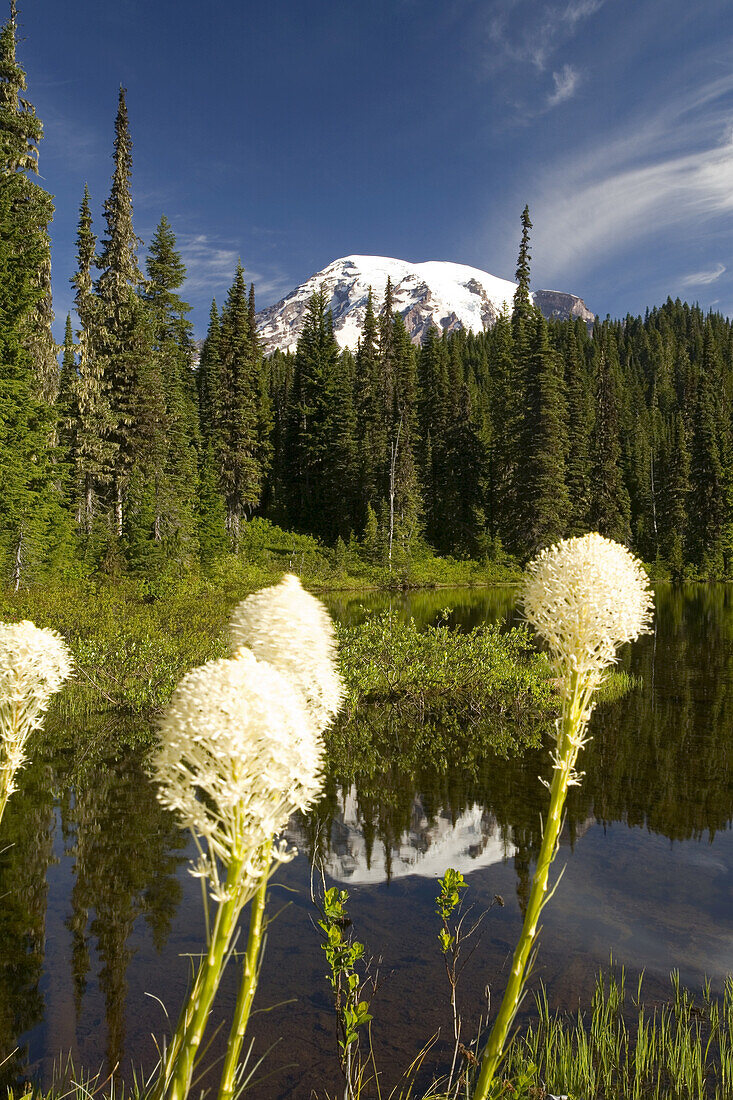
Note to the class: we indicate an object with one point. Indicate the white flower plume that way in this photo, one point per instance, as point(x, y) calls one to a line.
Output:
point(34, 663)
point(586, 597)
point(239, 752)
point(292, 630)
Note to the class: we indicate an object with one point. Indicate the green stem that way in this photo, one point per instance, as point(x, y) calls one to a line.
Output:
point(572, 721)
point(247, 988)
point(175, 1079)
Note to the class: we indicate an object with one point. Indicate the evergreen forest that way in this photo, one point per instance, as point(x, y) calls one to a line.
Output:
point(132, 449)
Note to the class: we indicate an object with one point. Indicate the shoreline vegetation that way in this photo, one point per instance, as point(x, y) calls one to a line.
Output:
point(132, 642)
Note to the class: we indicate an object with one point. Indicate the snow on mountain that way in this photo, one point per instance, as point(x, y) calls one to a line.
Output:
point(447, 295)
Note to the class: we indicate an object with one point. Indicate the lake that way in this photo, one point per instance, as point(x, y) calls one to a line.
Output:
point(99, 917)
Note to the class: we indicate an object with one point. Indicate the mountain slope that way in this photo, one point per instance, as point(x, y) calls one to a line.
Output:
point(444, 294)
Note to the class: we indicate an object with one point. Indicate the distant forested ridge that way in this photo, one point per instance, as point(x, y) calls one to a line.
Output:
point(126, 450)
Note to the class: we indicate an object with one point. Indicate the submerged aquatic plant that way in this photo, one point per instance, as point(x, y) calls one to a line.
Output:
point(240, 751)
point(586, 596)
point(34, 663)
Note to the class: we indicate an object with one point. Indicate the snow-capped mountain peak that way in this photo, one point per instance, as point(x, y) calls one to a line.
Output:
point(440, 293)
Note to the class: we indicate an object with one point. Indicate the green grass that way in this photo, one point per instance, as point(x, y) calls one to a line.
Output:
point(681, 1049)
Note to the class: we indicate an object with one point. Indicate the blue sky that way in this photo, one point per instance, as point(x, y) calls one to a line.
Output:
point(292, 132)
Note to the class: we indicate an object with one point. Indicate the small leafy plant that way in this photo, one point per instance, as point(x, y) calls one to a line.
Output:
point(452, 935)
point(345, 956)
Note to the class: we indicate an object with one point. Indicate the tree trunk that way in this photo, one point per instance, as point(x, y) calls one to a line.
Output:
point(18, 565)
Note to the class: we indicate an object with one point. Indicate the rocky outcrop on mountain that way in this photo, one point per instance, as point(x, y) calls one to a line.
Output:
point(557, 304)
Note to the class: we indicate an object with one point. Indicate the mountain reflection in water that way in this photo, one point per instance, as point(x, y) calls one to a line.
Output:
point(431, 843)
point(98, 909)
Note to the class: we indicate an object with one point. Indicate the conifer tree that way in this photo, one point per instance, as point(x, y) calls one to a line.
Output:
point(176, 479)
point(94, 449)
point(434, 415)
point(542, 497)
point(674, 496)
point(122, 338)
point(610, 510)
point(374, 419)
point(66, 404)
point(315, 493)
point(404, 483)
point(20, 132)
point(243, 435)
point(464, 493)
point(211, 508)
point(522, 307)
point(710, 518)
point(209, 383)
point(29, 499)
point(276, 496)
point(505, 412)
point(579, 408)
point(387, 365)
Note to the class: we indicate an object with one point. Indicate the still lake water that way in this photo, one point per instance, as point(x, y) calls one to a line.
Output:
point(98, 912)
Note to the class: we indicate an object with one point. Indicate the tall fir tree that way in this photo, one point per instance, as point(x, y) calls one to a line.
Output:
point(94, 449)
point(243, 446)
point(710, 521)
point(315, 493)
point(406, 505)
point(610, 509)
point(122, 339)
point(374, 420)
point(504, 400)
point(29, 498)
point(578, 397)
point(543, 506)
point(176, 479)
point(66, 403)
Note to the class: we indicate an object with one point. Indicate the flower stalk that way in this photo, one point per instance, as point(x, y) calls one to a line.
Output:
point(572, 726)
point(245, 997)
point(586, 597)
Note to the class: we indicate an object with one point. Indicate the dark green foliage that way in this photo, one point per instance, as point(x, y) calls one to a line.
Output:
point(542, 499)
point(93, 452)
point(241, 424)
point(312, 445)
point(121, 339)
point(29, 488)
point(174, 477)
point(372, 413)
point(610, 509)
point(710, 523)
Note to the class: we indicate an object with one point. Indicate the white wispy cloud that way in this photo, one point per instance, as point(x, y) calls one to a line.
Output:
point(530, 33)
point(703, 278)
point(673, 167)
point(211, 264)
point(577, 10)
point(566, 82)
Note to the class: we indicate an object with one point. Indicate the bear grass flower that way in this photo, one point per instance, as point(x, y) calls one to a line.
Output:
point(240, 750)
point(239, 753)
point(586, 596)
point(292, 630)
point(34, 663)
